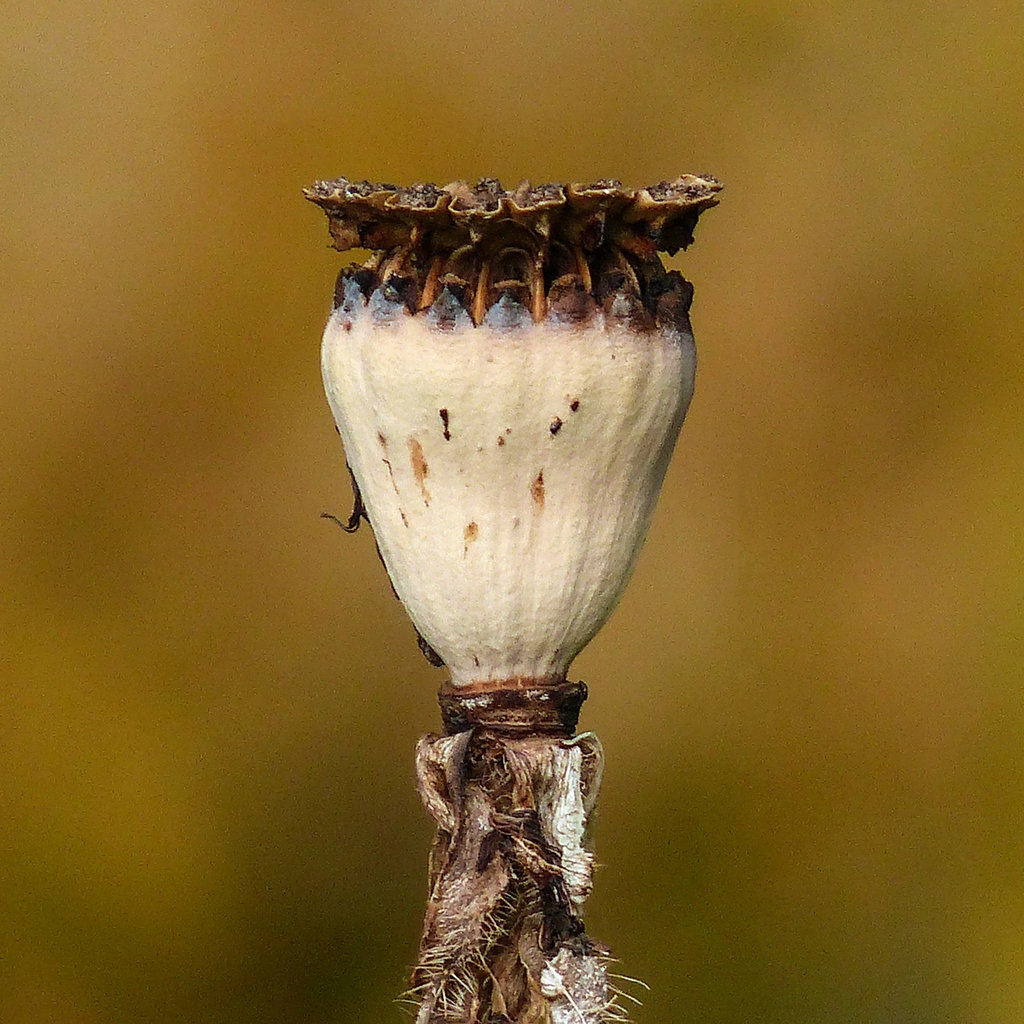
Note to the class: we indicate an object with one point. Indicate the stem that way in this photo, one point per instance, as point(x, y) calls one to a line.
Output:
point(511, 790)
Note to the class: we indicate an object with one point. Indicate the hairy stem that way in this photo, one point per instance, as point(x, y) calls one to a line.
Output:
point(503, 941)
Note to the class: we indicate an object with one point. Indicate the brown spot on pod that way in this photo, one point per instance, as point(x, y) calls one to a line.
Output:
point(443, 413)
point(556, 426)
point(469, 534)
point(574, 404)
point(537, 491)
point(419, 468)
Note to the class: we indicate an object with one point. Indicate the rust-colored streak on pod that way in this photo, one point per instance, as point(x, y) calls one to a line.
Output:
point(419, 468)
point(537, 491)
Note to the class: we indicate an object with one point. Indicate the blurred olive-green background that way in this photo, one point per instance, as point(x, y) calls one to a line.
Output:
point(811, 694)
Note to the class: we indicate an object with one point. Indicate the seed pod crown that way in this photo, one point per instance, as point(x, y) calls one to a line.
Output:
point(539, 250)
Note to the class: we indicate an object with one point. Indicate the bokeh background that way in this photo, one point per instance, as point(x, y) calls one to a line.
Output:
point(811, 694)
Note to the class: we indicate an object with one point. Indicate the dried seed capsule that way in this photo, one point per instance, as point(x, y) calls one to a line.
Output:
point(509, 372)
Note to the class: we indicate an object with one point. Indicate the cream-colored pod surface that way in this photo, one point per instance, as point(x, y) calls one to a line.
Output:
point(509, 475)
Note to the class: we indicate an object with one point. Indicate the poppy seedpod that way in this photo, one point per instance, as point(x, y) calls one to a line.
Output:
point(509, 372)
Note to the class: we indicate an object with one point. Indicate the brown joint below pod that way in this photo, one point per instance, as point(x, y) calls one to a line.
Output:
point(516, 706)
